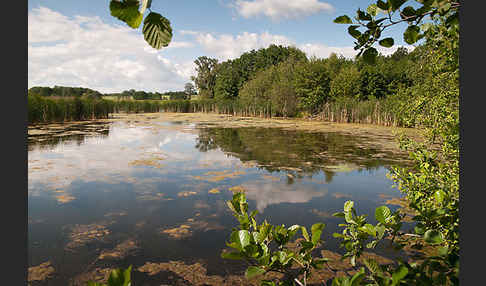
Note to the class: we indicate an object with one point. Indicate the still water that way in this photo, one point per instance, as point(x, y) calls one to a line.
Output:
point(128, 194)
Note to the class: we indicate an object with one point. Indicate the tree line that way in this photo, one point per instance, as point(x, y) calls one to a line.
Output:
point(67, 91)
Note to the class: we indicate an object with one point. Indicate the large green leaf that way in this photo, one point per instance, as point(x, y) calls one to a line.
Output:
point(348, 205)
point(127, 11)
point(369, 55)
point(387, 42)
point(372, 10)
point(232, 255)
point(399, 274)
point(157, 31)
point(316, 231)
point(395, 4)
point(253, 271)
point(382, 213)
point(243, 238)
point(120, 277)
point(352, 30)
point(433, 236)
point(343, 20)
point(411, 34)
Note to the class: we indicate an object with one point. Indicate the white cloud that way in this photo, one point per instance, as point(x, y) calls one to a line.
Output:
point(323, 51)
point(227, 46)
point(85, 51)
point(277, 9)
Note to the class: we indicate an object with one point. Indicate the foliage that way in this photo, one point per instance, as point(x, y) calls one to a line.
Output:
point(46, 109)
point(156, 31)
point(445, 12)
point(312, 84)
point(62, 91)
point(118, 277)
point(266, 248)
point(206, 76)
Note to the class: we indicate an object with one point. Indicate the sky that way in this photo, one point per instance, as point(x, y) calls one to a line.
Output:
point(79, 44)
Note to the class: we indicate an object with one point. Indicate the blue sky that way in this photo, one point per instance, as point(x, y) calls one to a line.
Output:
point(78, 43)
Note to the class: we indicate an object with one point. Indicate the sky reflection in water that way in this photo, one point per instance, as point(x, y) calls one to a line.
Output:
point(149, 183)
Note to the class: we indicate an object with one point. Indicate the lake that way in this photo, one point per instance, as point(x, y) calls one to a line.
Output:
point(150, 191)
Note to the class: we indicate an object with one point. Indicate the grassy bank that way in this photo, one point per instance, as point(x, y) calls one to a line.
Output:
point(386, 112)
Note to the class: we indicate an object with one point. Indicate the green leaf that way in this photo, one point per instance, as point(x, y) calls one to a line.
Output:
point(380, 231)
point(382, 214)
point(348, 205)
point(383, 5)
point(348, 216)
point(358, 277)
point(387, 42)
point(120, 277)
point(363, 15)
point(316, 231)
point(369, 229)
point(395, 4)
point(399, 274)
point(419, 229)
point(369, 55)
point(409, 11)
point(253, 271)
point(411, 34)
point(157, 31)
point(343, 20)
point(439, 195)
point(433, 236)
point(305, 234)
point(372, 10)
point(352, 30)
point(232, 255)
point(127, 11)
point(338, 214)
point(243, 238)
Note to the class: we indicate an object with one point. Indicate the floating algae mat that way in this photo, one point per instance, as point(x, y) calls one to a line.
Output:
point(150, 190)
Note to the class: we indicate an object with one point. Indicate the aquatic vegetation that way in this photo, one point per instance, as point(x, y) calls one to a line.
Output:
point(40, 272)
point(120, 251)
point(81, 235)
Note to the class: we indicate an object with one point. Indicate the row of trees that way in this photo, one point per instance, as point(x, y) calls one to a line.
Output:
point(66, 91)
point(63, 91)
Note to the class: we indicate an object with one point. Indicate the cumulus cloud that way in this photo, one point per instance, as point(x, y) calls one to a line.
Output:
point(226, 46)
point(323, 51)
point(85, 51)
point(278, 9)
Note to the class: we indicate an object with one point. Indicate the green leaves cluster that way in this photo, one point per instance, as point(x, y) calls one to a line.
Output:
point(383, 14)
point(156, 31)
point(268, 248)
point(118, 277)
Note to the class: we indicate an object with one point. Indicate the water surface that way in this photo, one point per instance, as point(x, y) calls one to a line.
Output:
point(132, 193)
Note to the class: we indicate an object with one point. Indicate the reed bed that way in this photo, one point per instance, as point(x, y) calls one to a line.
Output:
point(387, 112)
point(45, 109)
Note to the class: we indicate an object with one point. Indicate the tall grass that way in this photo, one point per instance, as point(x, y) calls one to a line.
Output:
point(44, 109)
point(388, 112)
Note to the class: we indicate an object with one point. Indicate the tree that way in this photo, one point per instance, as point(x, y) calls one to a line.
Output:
point(206, 76)
point(189, 89)
point(312, 83)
